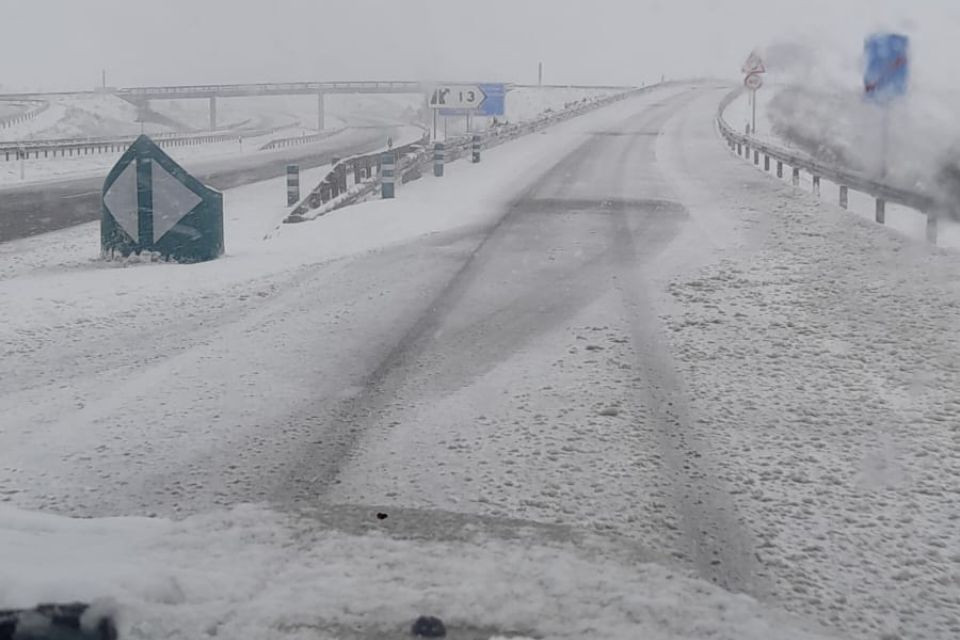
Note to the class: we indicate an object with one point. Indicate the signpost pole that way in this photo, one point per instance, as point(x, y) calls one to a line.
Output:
point(884, 142)
point(753, 127)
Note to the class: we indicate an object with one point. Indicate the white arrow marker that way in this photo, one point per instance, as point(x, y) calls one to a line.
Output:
point(172, 200)
point(121, 201)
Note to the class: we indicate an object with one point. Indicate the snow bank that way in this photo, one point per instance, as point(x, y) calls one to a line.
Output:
point(822, 353)
point(254, 573)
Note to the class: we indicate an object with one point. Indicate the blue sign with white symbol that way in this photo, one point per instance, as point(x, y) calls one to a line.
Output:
point(887, 71)
point(495, 102)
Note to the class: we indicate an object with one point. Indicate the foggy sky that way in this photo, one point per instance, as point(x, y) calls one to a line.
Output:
point(63, 44)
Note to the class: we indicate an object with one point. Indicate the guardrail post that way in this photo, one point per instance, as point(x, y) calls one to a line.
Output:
point(213, 113)
point(932, 226)
point(756, 157)
point(796, 176)
point(779, 169)
point(321, 125)
point(766, 162)
point(844, 197)
point(293, 184)
point(816, 185)
point(476, 149)
point(881, 216)
point(388, 173)
point(438, 158)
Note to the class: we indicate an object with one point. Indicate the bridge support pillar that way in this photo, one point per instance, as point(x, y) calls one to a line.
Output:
point(320, 110)
point(213, 113)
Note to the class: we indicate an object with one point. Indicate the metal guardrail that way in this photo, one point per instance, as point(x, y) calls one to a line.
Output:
point(882, 192)
point(333, 192)
point(23, 116)
point(66, 147)
point(294, 141)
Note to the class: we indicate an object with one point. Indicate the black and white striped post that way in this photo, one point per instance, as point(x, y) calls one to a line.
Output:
point(293, 184)
point(476, 149)
point(388, 174)
point(439, 153)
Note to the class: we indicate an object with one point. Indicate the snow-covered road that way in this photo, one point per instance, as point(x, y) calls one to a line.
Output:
point(615, 327)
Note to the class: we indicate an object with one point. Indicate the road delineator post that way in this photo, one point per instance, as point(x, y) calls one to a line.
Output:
point(816, 185)
point(439, 153)
point(388, 174)
point(844, 197)
point(881, 211)
point(476, 149)
point(293, 184)
point(766, 162)
point(779, 169)
point(932, 216)
point(796, 176)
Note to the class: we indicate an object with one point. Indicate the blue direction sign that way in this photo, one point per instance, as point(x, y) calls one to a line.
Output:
point(478, 99)
point(887, 71)
point(150, 203)
point(495, 101)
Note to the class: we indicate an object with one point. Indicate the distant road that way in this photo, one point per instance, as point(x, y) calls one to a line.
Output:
point(32, 209)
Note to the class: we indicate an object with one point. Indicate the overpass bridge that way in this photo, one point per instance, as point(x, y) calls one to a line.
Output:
point(141, 96)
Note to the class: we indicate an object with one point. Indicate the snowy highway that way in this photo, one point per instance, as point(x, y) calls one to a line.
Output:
point(615, 326)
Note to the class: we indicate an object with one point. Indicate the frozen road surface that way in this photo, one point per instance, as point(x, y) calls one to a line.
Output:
point(610, 382)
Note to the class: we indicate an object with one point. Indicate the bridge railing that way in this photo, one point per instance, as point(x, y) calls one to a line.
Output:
point(882, 192)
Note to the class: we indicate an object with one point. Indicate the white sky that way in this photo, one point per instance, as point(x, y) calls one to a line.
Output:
point(63, 44)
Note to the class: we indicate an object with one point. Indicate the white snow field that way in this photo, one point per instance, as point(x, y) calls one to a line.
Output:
point(615, 327)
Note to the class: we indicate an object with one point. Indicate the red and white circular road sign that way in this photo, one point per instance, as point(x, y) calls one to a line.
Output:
point(753, 81)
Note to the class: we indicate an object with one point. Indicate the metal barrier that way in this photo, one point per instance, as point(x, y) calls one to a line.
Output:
point(29, 114)
point(293, 141)
point(68, 147)
point(882, 192)
point(414, 158)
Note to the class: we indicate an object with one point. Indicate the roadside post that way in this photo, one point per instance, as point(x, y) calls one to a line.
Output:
point(439, 152)
point(150, 203)
point(388, 173)
point(293, 184)
point(476, 149)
